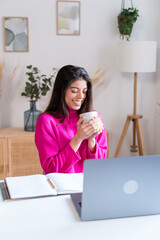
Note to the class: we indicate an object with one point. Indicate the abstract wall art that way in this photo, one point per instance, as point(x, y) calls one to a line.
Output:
point(68, 18)
point(15, 34)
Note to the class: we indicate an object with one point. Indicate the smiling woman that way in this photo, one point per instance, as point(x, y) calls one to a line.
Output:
point(62, 139)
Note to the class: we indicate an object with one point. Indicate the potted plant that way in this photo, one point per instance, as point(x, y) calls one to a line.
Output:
point(36, 86)
point(126, 20)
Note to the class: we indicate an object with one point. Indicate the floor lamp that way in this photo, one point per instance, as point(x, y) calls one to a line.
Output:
point(135, 57)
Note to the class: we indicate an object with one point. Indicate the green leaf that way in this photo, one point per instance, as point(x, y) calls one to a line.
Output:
point(23, 94)
point(29, 67)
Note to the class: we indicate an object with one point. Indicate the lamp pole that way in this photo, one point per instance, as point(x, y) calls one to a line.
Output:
point(135, 94)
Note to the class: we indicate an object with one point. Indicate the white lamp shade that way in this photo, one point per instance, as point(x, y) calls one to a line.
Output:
point(136, 56)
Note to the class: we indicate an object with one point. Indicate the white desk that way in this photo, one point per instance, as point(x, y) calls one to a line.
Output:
point(55, 218)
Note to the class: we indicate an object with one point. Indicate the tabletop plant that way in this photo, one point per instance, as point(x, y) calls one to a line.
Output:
point(37, 85)
point(126, 20)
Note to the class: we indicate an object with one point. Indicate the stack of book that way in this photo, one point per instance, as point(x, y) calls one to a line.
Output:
point(34, 186)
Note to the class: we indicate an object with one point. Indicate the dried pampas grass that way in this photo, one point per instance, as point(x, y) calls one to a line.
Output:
point(97, 78)
point(5, 80)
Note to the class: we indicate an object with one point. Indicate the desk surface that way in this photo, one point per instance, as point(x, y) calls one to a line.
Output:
point(56, 218)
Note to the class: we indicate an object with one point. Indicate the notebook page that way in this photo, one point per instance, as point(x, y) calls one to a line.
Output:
point(67, 183)
point(29, 186)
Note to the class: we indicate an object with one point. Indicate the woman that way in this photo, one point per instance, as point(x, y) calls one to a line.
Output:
point(62, 139)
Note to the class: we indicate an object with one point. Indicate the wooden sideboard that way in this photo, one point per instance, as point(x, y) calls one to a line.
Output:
point(18, 153)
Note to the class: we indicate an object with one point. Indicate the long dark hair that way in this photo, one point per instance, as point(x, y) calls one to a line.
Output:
point(65, 77)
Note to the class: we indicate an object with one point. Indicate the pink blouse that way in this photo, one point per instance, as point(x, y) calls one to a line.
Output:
point(52, 140)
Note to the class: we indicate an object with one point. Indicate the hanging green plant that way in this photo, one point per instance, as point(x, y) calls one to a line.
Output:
point(126, 20)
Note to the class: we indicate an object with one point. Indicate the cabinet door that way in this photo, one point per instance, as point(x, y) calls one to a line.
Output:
point(23, 156)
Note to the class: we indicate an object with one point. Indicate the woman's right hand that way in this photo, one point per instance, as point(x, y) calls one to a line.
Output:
point(86, 130)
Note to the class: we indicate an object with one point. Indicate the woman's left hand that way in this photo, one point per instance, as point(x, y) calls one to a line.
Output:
point(99, 127)
point(91, 139)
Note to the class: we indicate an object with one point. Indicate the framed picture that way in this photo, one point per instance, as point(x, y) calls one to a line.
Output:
point(15, 34)
point(68, 18)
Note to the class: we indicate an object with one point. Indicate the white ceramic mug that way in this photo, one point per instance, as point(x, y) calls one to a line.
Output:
point(88, 116)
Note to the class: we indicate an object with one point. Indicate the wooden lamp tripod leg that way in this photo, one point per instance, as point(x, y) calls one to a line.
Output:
point(140, 137)
point(122, 136)
point(134, 146)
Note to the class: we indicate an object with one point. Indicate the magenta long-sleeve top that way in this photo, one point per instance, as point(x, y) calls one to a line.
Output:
point(52, 139)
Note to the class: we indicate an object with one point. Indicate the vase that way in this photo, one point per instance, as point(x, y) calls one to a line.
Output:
point(30, 117)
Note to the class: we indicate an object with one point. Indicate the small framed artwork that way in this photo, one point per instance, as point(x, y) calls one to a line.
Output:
point(68, 17)
point(15, 34)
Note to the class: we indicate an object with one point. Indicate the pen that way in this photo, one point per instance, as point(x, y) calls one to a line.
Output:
point(51, 184)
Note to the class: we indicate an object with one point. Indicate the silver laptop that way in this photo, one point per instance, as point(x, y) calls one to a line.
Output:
point(119, 187)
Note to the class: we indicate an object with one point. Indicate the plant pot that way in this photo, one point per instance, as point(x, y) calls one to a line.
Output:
point(125, 26)
point(30, 117)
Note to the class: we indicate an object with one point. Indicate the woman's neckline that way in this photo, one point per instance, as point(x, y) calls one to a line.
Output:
point(72, 111)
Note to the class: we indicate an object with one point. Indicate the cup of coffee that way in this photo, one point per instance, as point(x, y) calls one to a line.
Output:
point(88, 115)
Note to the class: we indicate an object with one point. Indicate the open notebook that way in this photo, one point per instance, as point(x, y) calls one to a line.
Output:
point(33, 186)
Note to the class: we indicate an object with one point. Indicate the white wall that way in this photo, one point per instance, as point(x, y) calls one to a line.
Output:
point(93, 49)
